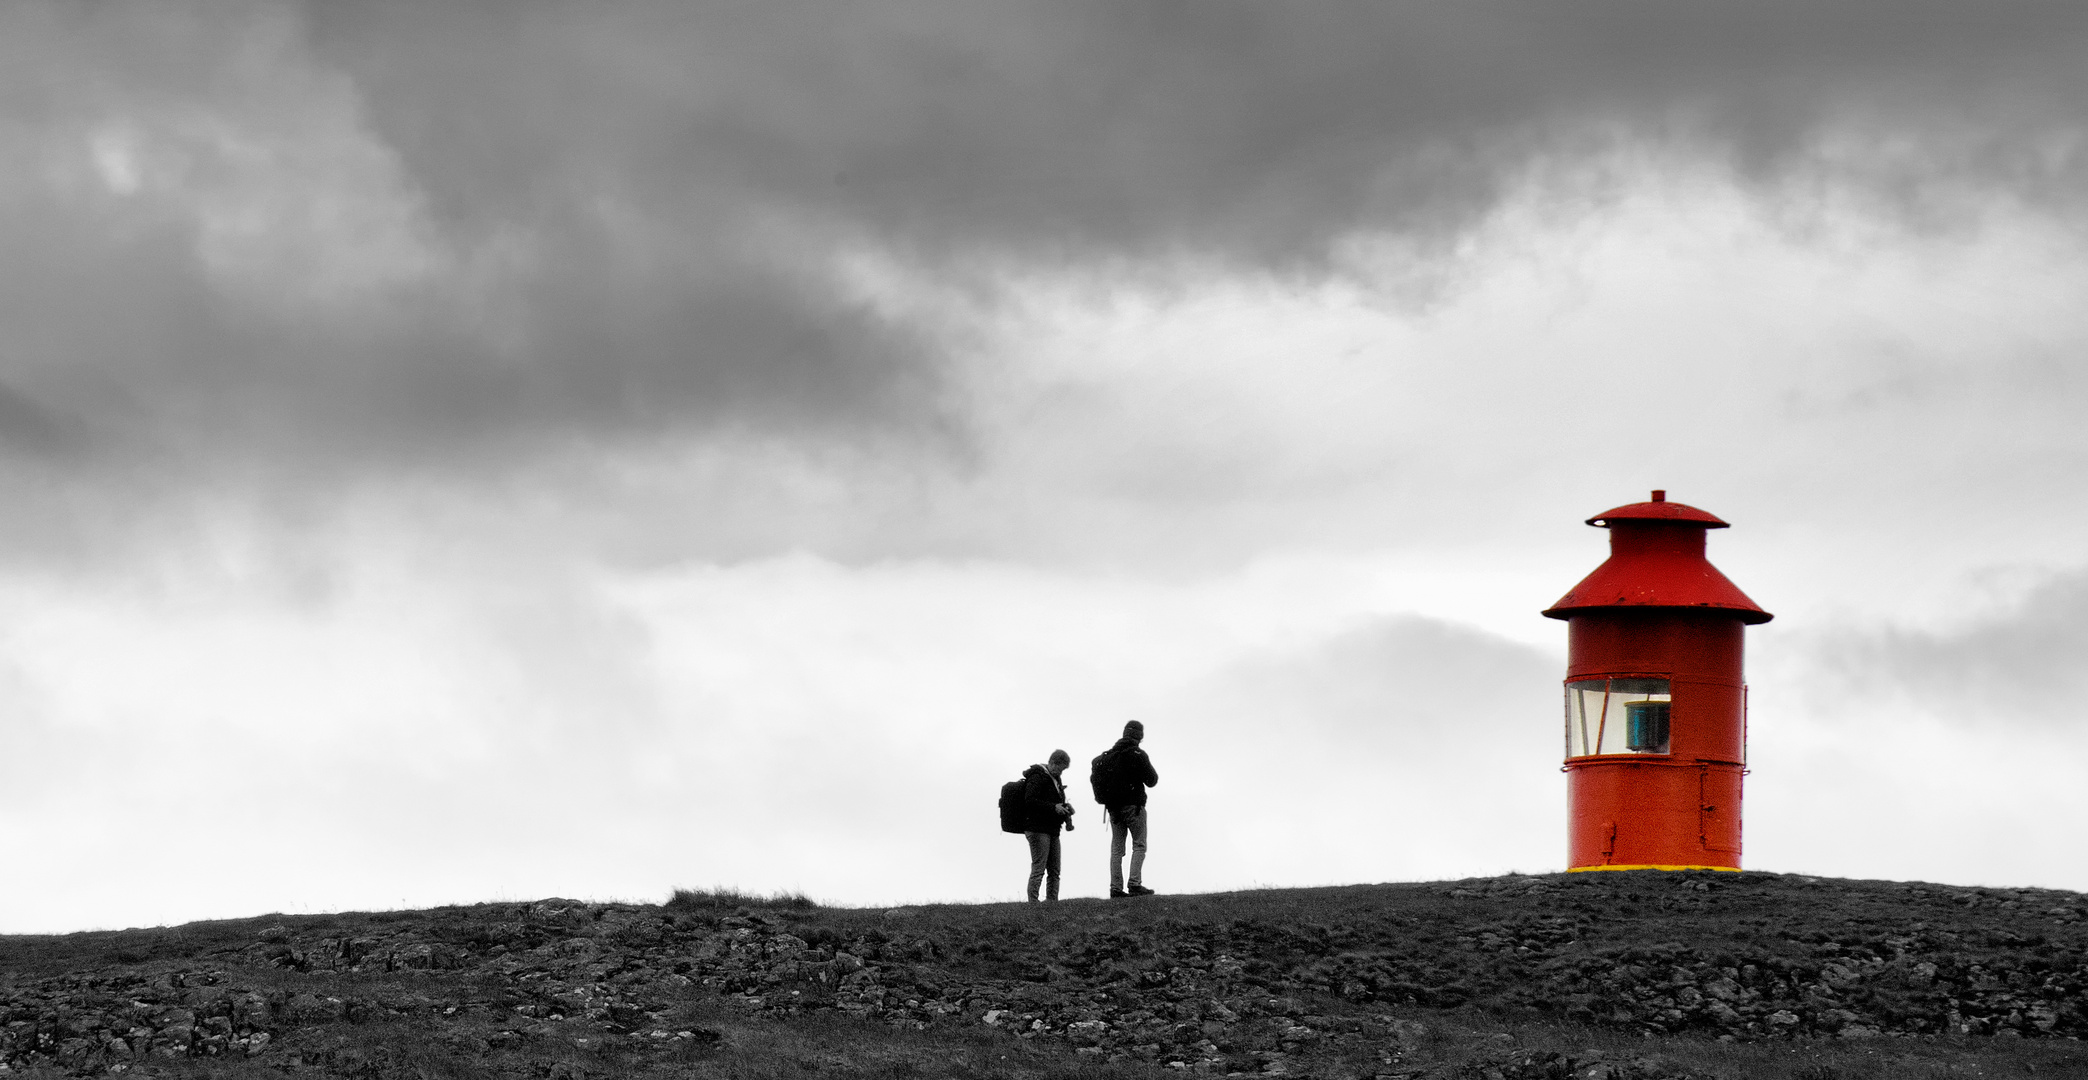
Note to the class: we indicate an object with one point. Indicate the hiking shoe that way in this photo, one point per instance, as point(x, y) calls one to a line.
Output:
point(1138, 890)
point(1117, 894)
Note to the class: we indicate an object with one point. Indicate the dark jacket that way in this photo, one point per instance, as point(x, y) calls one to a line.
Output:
point(1041, 796)
point(1137, 766)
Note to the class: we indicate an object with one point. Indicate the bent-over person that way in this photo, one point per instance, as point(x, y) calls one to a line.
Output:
point(1045, 809)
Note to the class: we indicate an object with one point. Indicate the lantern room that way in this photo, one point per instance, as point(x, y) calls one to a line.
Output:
point(1655, 700)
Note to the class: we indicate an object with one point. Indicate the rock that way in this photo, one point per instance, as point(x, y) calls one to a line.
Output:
point(1839, 976)
point(1408, 1031)
point(1086, 1032)
point(1836, 1019)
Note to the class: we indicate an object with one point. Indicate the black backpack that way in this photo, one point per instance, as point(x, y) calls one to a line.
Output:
point(1014, 808)
point(1106, 776)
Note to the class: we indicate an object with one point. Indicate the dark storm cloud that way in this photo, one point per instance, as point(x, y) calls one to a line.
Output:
point(641, 205)
point(1234, 129)
point(2022, 667)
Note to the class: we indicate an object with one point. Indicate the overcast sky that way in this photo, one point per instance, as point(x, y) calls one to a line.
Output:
point(471, 451)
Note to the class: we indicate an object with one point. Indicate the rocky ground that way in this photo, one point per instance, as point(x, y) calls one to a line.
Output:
point(1606, 977)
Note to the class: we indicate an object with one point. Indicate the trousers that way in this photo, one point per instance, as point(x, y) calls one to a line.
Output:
point(1044, 863)
point(1128, 821)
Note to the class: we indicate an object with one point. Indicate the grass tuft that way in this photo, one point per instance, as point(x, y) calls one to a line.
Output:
point(725, 899)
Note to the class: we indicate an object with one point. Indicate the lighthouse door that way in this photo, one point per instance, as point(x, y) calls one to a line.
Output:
point(1718, 810)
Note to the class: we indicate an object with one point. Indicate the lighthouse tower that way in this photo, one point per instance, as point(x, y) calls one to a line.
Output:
point(1656, 707)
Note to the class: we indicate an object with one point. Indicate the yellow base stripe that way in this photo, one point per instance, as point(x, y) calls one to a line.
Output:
point(1647, 866)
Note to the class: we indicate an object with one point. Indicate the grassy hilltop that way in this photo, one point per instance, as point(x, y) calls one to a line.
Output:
point(1599, 976)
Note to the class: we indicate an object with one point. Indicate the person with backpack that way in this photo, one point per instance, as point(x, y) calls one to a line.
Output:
point(1120, 776)
point(1045, 809)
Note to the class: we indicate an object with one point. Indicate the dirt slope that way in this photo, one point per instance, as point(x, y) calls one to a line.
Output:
point(1609, 977)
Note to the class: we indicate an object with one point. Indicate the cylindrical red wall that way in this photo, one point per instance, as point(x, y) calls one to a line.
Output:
point(1681, 809)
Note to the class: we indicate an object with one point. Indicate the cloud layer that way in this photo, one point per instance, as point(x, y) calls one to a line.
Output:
point(386, 234)
point(2014, 670)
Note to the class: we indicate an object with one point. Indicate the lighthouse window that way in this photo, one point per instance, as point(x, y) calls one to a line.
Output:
point(1617, 716)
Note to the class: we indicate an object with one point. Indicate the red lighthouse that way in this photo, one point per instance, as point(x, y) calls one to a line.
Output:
point(1656, 710)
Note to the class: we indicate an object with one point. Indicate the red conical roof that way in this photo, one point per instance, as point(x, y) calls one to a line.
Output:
point(1657, 560)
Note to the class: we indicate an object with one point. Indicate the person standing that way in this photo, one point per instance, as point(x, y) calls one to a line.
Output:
point(1121, 776)
point(1045, 809)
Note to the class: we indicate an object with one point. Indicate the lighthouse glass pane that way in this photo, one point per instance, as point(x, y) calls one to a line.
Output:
point(1617, 716)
